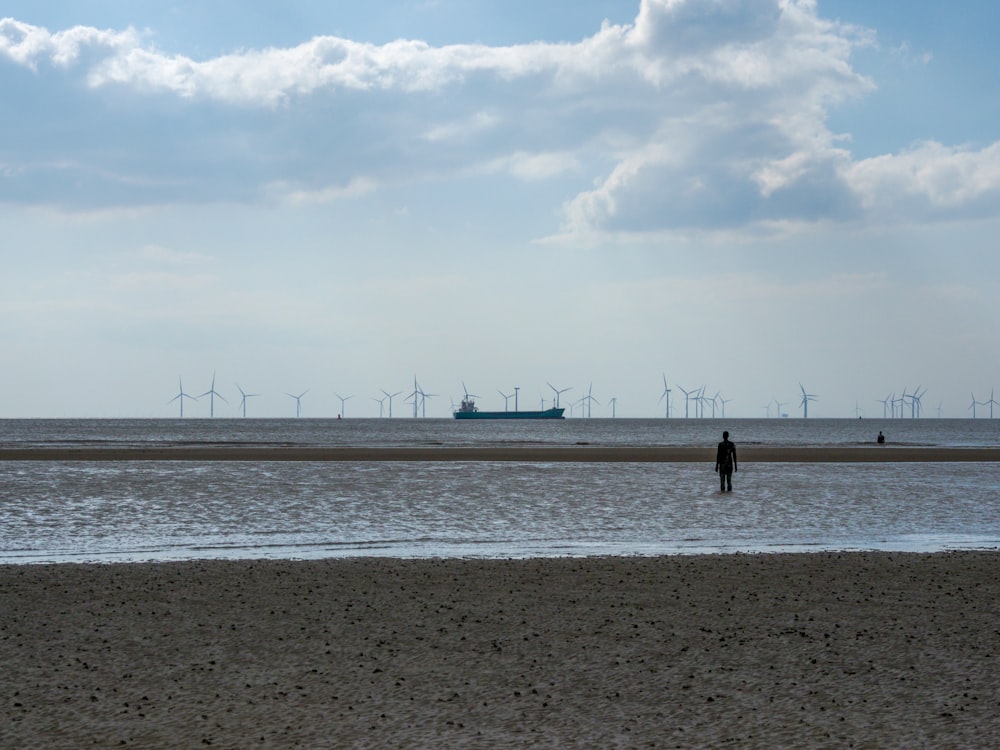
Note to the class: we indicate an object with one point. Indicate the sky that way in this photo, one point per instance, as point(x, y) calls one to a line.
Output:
point(753, 197)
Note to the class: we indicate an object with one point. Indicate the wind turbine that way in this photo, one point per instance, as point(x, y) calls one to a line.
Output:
point(885, 404)
point(806, 398)
point(687, 400)
point(916, 405)
point(423, 401)
point(779, 404)
point(212, 393)
point(181, 395)
point(469, 396)
point(506, 399)
point(665, 396)
point(902, 402)
point(415, 395)
point(724, 401)
point(582, 403)
point(243, 402)
point(699, 402)
point(587, 400)
point(390, 397)
point(715, 402)
point(612, 402)
point(558, 393)
point(298, 401)
point(381, 403)
point(991, 402)
point(974, 404)
point(343, 399)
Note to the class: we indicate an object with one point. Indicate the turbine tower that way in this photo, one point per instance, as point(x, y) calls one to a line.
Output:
point(423, 400)
point(687, 400)
point(613, 402)
point(212, 393)
point(243, 402)
point(181, 395)
point(971, 406)
point(699, 402)
point(343, 399)
point(415, 395)
point(991, 402)
point(506, 399)
point(665, 396)
point(724, 401)
point(381, 403)
point(885, 405)
point(389, 396)
point(587, 400)
point(902, 403)
point(298, 401)
point(806, 398)
point(714, 401)
point(558, 393)
point(467, 397)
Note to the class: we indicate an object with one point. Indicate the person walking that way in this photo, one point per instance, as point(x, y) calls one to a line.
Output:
point(725, 463)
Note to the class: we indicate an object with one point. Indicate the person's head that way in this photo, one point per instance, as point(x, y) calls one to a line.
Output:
point(725, 435)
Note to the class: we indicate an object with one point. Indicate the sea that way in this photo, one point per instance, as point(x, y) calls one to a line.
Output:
point(136, 511)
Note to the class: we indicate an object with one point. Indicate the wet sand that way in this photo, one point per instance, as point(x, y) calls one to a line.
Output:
point(542, 453)
point(867, 650)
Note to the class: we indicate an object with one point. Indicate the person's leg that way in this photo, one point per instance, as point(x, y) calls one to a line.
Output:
point(722, 479)
point(729, 480)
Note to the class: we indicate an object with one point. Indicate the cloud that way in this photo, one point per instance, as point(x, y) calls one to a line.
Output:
point(292, 195)
point(30, 45)
point(698, 116)
point(930, 179)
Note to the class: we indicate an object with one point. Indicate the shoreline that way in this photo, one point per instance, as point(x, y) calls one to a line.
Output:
point(819, 649)
point(533, 453)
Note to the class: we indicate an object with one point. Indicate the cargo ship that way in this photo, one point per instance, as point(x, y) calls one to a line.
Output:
point(469, 410)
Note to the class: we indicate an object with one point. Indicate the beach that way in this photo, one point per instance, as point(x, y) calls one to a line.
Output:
point(861, 649)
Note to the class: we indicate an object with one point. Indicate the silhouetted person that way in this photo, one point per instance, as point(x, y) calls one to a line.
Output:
point(881, 438)
point(725, 463)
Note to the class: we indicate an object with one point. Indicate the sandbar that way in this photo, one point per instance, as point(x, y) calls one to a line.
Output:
point(522, 453)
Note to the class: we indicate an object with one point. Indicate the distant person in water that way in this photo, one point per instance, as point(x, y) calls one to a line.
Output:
point(881, 438)
point(725, 463)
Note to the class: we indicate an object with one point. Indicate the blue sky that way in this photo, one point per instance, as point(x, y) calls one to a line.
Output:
point(736, 194)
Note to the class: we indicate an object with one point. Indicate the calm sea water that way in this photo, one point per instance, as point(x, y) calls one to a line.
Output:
point(130, 511)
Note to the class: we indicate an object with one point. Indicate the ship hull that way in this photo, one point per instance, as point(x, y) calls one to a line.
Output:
point(544, 414)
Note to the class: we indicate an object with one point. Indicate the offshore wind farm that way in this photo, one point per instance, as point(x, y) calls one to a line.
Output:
point(689, 403)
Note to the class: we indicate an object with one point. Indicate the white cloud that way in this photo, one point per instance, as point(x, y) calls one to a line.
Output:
point(930, 178)
point(28, 45)
point(462, 129)
point(294, 196)
point(699, 116)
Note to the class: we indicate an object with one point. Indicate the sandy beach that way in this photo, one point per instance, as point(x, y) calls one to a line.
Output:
point(867, 650)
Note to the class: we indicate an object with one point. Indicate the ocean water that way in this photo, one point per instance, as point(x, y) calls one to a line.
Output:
point(132, 511)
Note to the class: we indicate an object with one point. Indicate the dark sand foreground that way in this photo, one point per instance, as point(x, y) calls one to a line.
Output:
point(866, 650)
